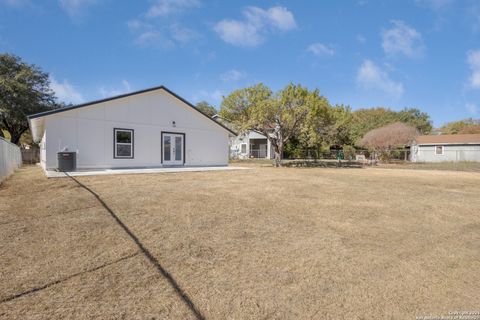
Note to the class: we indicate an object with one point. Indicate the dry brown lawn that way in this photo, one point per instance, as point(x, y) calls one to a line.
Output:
point(263, 243)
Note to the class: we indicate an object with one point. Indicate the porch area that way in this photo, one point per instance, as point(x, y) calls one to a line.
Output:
point(259, 148)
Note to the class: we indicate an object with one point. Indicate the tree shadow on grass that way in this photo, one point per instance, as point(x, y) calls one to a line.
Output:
point(45, 286)
point(154, 261)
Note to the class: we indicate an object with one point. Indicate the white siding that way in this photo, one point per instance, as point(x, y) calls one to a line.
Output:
point(89, 132)
point(236, 144)
point(43, 151)
point(426, 153)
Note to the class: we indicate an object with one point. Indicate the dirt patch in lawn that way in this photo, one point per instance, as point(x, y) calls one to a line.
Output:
point(263, 243)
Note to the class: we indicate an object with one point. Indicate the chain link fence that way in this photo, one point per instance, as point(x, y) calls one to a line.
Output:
point(349, 154)
point(10, 158)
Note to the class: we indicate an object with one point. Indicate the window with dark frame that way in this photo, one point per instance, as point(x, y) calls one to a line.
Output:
point(123, 147)
point(438, 150)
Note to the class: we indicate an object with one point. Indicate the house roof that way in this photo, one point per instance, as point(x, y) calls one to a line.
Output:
point(223, 121)
point(229, 124)
point(32, 117)
point(449, 139)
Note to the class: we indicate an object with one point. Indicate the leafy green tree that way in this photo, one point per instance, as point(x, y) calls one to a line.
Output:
point(349, 152)
point(415, 118)
point(278, 116)
point(456, 127)
point(298, 119)
point(286, 113)
point(318, 129)
point(24, 90)
point(325, 125)
point(206, 108)
point(241, 105)
point(341, 133)
point(365, 120)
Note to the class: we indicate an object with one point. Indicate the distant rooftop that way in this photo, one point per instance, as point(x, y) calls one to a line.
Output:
point(449, 139)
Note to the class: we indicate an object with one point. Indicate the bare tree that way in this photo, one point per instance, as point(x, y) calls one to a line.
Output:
point(388, 138)
point(470, 129)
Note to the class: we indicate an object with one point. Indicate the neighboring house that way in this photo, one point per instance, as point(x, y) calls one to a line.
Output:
point(451, 147)
point(250, 144)
point(148, 128)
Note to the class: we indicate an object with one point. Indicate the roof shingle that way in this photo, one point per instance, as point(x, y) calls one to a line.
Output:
point(449, 139)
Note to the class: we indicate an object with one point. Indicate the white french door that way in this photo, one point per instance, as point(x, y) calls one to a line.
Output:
point(173, 148)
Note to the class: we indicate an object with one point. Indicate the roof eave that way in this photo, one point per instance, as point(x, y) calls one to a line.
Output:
point(446, 143)
point(37, 128)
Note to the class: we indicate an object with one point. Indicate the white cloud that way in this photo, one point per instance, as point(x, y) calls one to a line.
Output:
point(473, 59)
point(277, 17)
point(257, 22)
point(75, 8)
point(402, 39)
point(165, 37)
point(372, 77)
point(125, 88)
point(153, 38)
point(232, 75)
point(472, 108)
point(65, 92)
point(154, 28)
point(238, 33)
point(162, 8)
point(182, 34)
point(319, 49)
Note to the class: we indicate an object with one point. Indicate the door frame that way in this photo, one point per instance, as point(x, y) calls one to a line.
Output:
point(161, 143)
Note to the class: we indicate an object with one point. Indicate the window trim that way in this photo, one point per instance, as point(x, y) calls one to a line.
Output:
point(443, 150)
point(115, 156)
point(241, 148)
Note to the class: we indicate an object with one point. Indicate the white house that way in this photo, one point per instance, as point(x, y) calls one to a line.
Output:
point(441, 148)
point(250, 144)
point(148, 128)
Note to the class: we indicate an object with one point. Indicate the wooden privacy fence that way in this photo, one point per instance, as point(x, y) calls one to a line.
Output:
point(30, 156)
point(10, 158)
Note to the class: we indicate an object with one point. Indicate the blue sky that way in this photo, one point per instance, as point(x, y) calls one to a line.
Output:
point(363, 53)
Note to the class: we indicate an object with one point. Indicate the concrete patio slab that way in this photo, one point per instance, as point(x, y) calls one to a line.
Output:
point(57, 174)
